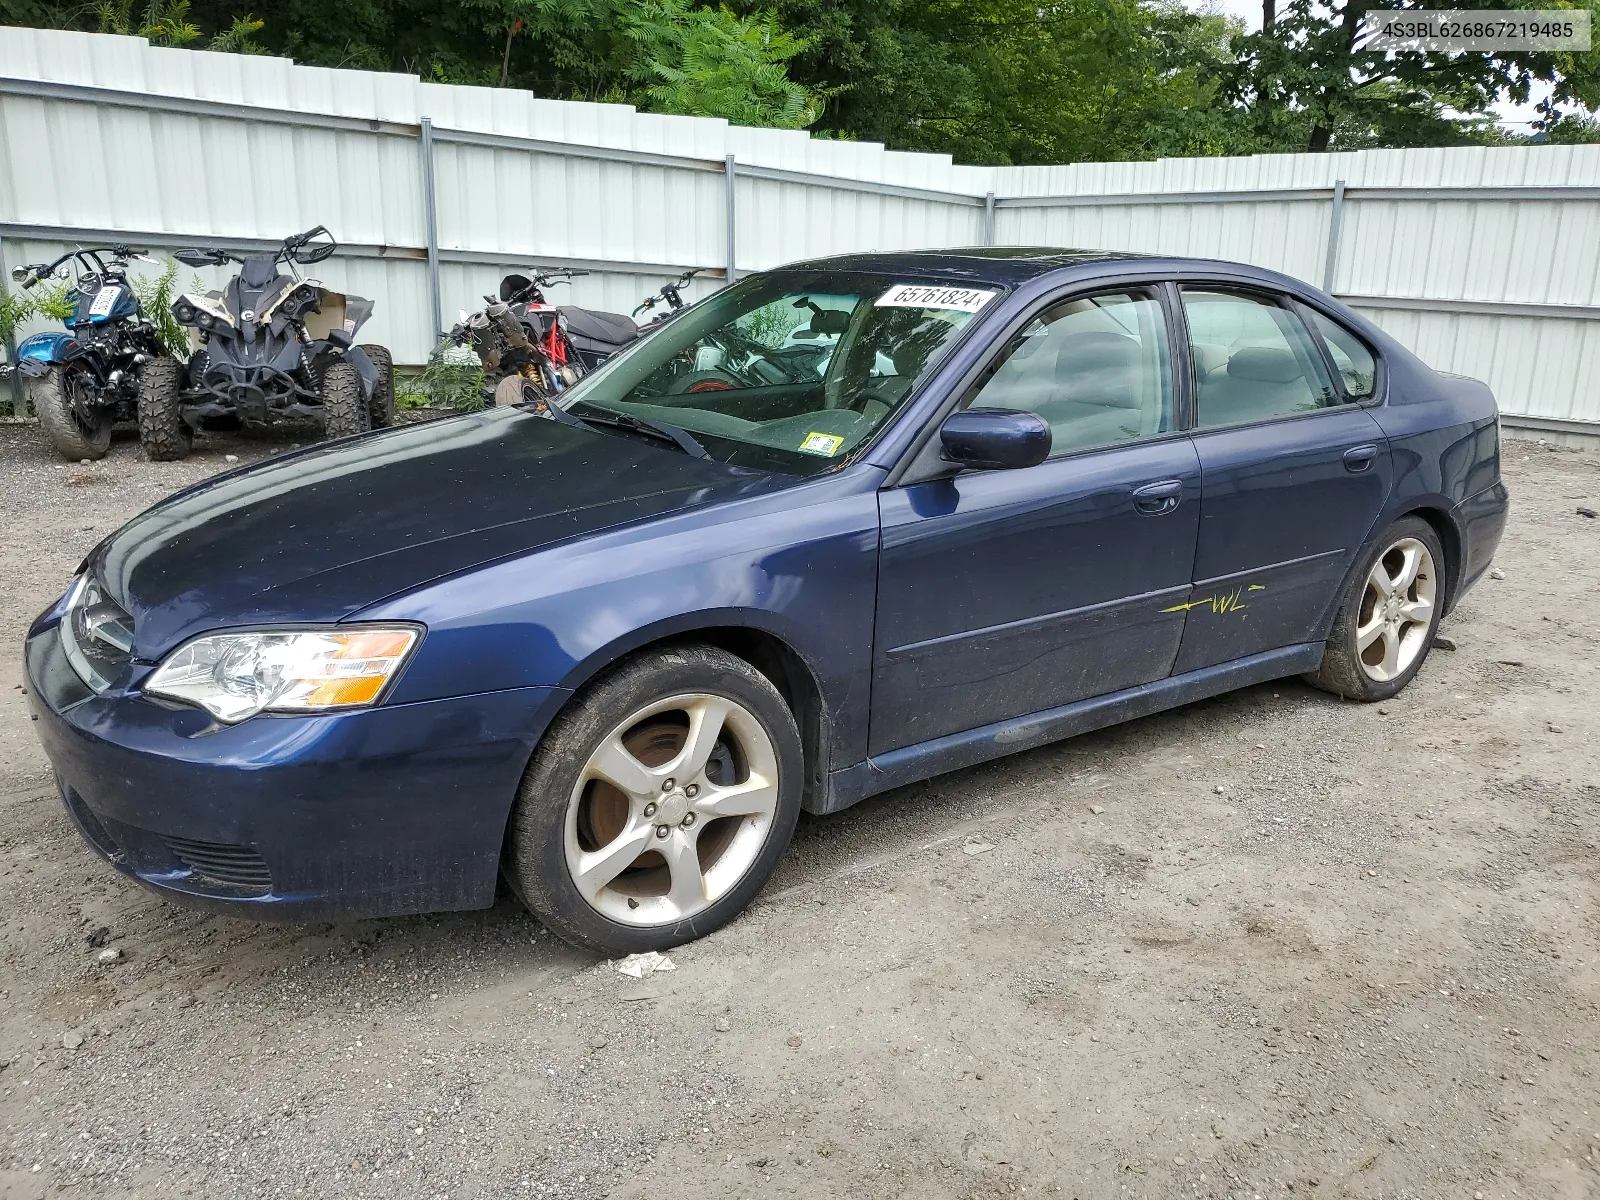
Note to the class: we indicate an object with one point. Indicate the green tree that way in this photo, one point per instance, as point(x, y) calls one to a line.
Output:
point(1305, 84)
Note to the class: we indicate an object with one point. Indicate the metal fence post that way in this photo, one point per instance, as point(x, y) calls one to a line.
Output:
point(430, 217)
point(19, 399)
point(729, 170)
point(988, 219)
point(1335, 218)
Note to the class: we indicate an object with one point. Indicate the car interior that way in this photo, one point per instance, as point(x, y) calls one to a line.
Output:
point(1096, 368)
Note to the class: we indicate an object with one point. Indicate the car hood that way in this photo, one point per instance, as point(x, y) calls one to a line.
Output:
point(317, 535)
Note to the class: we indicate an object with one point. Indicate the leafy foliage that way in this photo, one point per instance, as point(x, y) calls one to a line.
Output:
point(987, 81)
point(1305, 84)
point(735, 67)
point(155, 300)
point(452, 379)
point(15, 308)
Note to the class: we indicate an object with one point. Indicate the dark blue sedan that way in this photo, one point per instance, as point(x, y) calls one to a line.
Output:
point(844, 525)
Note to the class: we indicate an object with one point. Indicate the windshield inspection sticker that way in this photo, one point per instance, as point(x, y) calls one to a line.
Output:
point(822, 443)
point(921, 295)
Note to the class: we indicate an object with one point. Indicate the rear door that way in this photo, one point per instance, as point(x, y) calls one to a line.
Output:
point(1293, 469)
point(1007, 592)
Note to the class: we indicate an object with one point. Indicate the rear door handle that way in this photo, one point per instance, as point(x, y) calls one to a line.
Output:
point(1359, 458)
point(1153, 499)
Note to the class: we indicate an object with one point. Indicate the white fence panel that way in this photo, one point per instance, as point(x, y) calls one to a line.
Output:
point(1485, 261)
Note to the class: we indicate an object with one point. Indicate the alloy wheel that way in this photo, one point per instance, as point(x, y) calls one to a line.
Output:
point(1397, 610)
point(671, 809)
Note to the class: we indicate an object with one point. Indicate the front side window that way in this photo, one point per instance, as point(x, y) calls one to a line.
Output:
point(1096, 368)
point(1253, 360)
point(785, 371)
point(1351, 358)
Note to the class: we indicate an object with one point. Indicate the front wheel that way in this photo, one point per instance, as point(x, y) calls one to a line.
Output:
point(75, 431)
point(344, 406)
point(381, 406)
point(164, 434)
point(1389, 614)
point(658, 804)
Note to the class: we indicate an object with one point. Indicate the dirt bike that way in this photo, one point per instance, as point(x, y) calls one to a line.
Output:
point(272, 345)
point(81, 383)
point(531, 349)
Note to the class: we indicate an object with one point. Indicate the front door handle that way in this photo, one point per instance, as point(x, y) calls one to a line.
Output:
point(1359, 458)
point(1153, 499)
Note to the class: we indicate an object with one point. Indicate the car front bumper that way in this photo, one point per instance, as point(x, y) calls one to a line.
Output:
point(375, 812)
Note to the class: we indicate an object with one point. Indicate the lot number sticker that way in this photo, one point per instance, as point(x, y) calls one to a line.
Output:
point(922, 295)
point(822, 443)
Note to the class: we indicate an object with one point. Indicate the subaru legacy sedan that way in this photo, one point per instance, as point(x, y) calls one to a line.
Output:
point(842, 526)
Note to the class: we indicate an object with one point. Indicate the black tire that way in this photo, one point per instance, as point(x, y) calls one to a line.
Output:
point(535, 860)
point(344, 407)
point(1342, 671)
point(59, 419)
point(381, 406)
point(164, 434)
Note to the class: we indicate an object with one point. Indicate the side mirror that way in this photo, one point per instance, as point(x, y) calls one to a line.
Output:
point(20, 274)
point(990, 439)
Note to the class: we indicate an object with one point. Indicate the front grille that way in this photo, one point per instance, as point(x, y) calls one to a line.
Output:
point(239, 866)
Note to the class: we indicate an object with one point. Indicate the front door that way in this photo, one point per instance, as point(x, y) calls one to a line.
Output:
point(1005, 593)
point(1293, 475)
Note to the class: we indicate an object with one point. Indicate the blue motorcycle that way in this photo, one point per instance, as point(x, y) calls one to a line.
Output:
point(81, 383)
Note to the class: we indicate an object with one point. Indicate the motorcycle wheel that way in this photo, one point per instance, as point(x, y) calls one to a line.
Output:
point(344, 408)
point(515, 389)
point(164, 434)
point(381, 406)
point(51, 397)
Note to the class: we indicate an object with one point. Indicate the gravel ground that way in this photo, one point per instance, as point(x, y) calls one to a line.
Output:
point(1264, 946)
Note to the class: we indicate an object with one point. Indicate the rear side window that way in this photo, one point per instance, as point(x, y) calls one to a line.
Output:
point(1253, 360)
point(1351, 358)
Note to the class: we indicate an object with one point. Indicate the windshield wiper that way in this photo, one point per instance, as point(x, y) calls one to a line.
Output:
point(660, 430)
point(681, 438)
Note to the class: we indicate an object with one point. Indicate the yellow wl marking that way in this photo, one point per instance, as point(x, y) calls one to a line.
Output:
point(1222, 602)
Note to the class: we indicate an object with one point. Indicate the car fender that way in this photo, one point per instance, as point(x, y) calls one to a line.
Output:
point(798, 565)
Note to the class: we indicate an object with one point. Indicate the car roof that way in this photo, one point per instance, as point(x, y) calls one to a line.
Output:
point(1010, 265)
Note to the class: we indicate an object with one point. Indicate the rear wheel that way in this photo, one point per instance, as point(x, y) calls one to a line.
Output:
point(344, 407)
point(1389, 614)
point(164, 434)
point(515, 389)
point(658, 804)
point(381, 406)
point(76, 431)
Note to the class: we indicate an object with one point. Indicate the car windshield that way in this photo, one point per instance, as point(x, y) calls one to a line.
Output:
point(788, 370)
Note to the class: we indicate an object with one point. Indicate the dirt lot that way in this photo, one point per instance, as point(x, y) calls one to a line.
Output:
point(1270, 945)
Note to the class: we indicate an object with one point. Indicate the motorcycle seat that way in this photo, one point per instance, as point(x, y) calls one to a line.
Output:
point(612, 329)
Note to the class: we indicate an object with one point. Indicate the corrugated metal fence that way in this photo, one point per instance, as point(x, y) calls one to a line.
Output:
point(1485, 261)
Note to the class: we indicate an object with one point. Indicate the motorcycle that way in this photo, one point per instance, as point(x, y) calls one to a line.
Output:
point(531, 349)
point(108, 367)
point(272, 345)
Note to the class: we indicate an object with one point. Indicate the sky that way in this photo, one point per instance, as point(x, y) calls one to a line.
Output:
point(1513, 116)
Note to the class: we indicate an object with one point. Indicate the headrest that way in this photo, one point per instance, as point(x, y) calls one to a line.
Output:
point(1098, 368)
point(258, 271)
point(1209, 357)
point(1265, 364)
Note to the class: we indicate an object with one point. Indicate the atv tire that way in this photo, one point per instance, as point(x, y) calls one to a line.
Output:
point(59, 419)
point(344, 408)
point(164, 434)
point(381, 406)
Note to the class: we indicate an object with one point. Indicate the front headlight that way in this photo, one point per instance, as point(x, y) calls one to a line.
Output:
point(237, 675)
